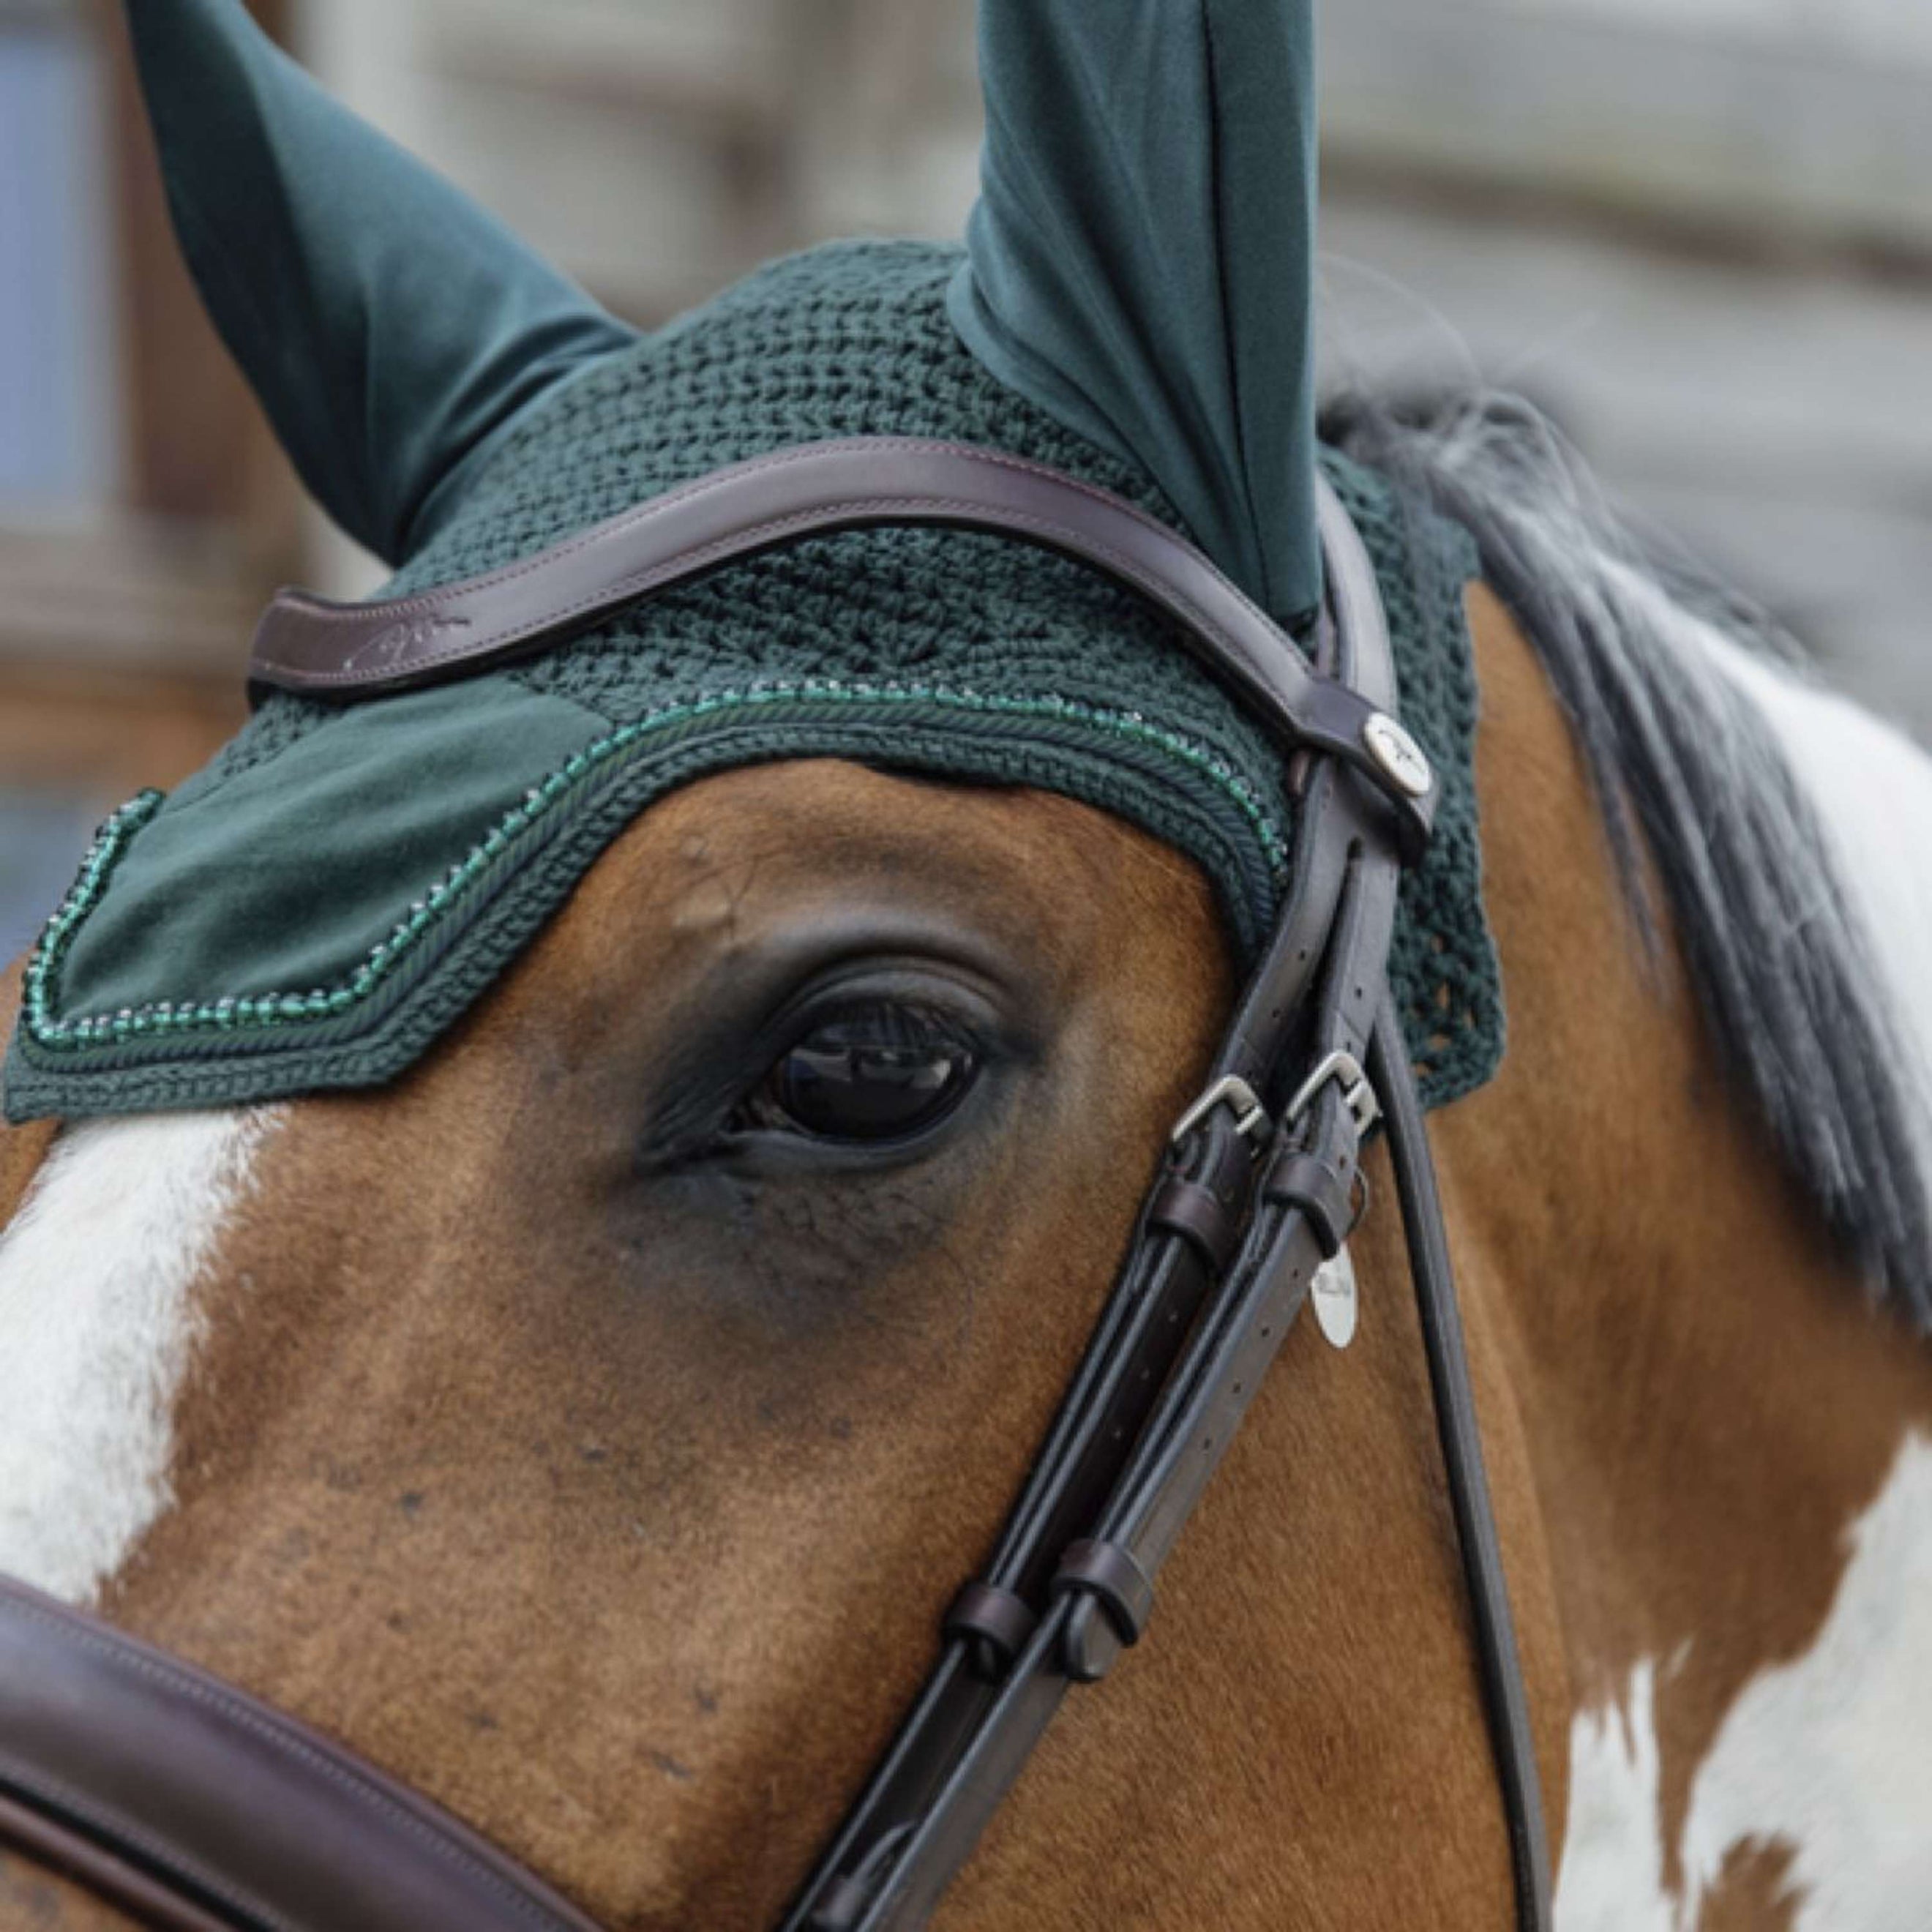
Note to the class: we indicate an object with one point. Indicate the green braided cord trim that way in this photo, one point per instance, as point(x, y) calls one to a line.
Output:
point(266, 1011)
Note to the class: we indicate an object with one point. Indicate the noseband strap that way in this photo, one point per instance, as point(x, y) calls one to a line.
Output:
point(205, 1812)
point(199, 1809)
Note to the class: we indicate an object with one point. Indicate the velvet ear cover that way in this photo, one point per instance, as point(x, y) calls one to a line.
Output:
point(1140, 265)
point(1141, 260)
point(390, 327)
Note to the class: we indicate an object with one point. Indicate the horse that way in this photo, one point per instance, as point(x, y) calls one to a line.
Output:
point(570, 1355)
point(609, 1493)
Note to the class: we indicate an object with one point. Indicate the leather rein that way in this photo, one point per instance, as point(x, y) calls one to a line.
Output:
point(199, 1809)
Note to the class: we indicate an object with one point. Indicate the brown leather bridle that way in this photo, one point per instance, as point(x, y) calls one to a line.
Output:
point(201, 1810)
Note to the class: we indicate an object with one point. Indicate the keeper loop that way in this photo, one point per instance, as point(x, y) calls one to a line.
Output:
point(1200, 1216)
point(1110, 1573)
point(995, 1622)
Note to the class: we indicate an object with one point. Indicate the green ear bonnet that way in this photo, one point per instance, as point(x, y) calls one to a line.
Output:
point(317, 908)
point(321, 904)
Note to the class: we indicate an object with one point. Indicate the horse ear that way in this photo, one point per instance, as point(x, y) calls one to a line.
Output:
point(388, 325)
point(1142, 261)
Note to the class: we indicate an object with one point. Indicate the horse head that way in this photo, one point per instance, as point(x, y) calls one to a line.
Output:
point(585, 1186)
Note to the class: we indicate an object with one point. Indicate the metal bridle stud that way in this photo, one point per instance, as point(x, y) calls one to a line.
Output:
point(1401, 759)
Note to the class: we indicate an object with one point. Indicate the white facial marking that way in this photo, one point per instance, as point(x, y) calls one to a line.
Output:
point(1826, 1756)
point(96, 1326)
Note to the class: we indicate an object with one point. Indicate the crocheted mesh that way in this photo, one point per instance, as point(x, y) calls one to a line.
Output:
point(851, 340)
point(854, 340)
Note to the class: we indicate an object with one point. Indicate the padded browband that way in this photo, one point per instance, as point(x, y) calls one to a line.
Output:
point(348, 651)
point(196, 1807)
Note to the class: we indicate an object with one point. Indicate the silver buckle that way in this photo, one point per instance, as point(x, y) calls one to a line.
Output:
point(1358, 1096)
point(1251, 1120)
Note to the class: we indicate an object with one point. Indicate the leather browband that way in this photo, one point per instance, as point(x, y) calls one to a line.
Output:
point(348, 651)
point(194, 1807)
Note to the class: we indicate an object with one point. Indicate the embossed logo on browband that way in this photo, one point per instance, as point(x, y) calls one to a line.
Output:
point(411, 638)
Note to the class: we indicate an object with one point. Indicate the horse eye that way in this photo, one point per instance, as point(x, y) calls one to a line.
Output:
point(881, 1075)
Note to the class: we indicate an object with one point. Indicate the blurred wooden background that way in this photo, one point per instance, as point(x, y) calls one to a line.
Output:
point(1700, 231)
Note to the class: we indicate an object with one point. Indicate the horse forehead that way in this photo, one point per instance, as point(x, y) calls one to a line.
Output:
point(818, 804)
point(1033, 860)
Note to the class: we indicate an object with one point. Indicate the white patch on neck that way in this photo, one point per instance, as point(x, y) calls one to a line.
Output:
point(1826, 1755)
point(1871, 788)
point(1830, 1753)
point(1611, 1878)
point(98, 1325)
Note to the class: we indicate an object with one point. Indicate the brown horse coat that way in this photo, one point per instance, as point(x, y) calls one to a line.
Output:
point(611, 1497)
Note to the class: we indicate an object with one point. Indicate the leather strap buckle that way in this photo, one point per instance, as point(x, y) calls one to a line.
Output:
point(1358, 1096)
point(1251, 1120)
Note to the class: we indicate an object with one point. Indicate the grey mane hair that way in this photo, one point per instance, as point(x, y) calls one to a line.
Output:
point(1686, 769)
